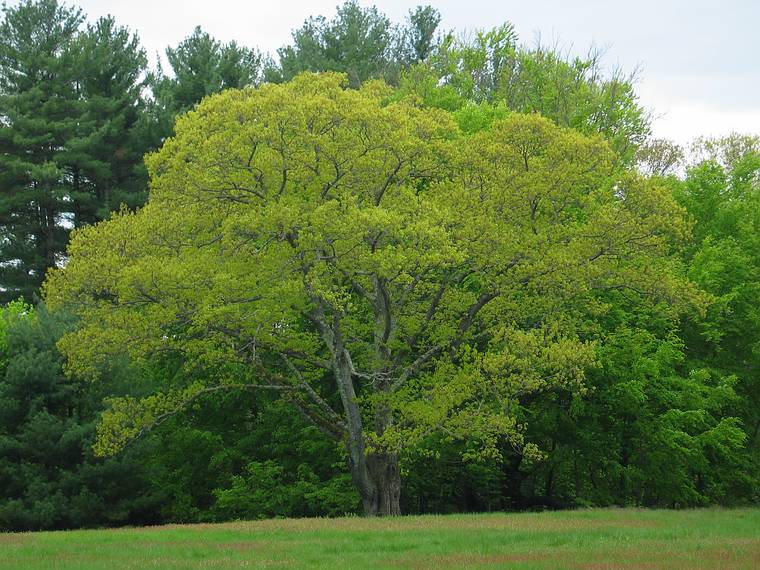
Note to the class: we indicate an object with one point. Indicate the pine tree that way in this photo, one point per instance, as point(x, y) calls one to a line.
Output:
point(39, 111)
point(106, 155)
point(72, 133)
point(200, 66)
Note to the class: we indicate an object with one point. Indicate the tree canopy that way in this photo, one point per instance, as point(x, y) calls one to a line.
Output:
point(389, 275)
point(200, 66)
point(360, 42)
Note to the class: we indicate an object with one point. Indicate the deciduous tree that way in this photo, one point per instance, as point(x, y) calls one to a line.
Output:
point(387, 274)
point(490, 67)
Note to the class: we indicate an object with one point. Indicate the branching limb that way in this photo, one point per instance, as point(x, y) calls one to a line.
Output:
point(464, 325)
point(312, 394)
point(117, 430)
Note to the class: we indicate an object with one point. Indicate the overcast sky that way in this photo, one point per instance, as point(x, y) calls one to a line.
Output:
point(699, 60)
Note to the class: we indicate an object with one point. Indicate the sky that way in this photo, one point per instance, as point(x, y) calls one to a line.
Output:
point(698, 61)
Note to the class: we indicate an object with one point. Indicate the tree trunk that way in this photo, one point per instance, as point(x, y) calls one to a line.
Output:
point(357, 456)
point(386, 478)
point(383, 470)
point(376, 476)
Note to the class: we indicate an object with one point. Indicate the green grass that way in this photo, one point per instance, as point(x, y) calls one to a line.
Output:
point(591, 539)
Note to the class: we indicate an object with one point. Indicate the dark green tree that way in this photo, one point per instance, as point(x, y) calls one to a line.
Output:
point(358, 42)
point(199, 66)
point(651, 430)
point(106, 155)
point(418, 37)
point(244, 456)
point(39, 113)
point(71, 134)
point(49, 478)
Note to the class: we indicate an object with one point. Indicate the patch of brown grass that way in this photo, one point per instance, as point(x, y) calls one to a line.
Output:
point(468, 560)
point(13, 538)
point(718, 554)
point(492, 522)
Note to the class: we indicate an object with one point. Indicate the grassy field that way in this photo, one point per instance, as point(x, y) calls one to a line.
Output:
point(592, 539)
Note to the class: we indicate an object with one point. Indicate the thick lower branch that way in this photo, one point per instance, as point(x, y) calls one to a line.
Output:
point(185, 403)
point(313, 396)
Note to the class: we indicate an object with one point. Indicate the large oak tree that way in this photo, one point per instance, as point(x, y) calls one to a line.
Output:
point(390, 276)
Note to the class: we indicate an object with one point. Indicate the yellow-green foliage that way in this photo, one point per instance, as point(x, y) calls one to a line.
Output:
point(452, 267)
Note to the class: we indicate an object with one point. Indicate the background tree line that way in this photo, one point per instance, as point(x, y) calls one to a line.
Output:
point(668, 418)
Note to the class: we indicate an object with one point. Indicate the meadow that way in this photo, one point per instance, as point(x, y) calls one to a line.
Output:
point(585, 539)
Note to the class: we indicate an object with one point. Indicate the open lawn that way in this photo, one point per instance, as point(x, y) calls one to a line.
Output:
point(588, 539)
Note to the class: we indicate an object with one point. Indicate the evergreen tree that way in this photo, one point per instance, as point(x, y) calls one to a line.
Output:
point(418, 37)
point(200, 66)
point(106, 155)
point(48, 476)
point(39, 114)
point(71, 133)
point(358, 42)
